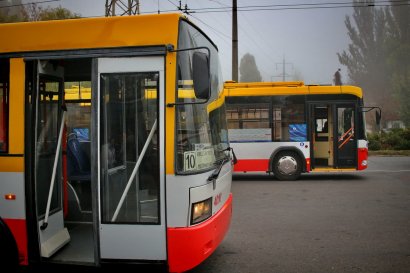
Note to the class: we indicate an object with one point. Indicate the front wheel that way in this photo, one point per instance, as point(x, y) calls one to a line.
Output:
point(287, 166)
point(8, 248)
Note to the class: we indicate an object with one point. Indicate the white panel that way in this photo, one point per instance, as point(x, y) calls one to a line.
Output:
point(219, 195)
point(53, 237)
point(263, 150)
point(134, 64)
point(362, 143)
point(133, 242)
point(12, 183)
point(197, 188)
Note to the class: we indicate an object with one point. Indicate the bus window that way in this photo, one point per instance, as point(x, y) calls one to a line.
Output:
point(292, 111)
point(252, 119)
point(346, 126)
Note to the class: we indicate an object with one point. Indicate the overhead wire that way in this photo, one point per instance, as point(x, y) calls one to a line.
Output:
point(305, 6)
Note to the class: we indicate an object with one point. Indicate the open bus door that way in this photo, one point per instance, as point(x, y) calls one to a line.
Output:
point(334, 143)
point(131, 177)
point(48, 133)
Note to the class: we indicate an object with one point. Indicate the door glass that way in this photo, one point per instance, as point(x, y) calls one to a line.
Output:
point(48, 122)
point(345, 136)
point(129, 112)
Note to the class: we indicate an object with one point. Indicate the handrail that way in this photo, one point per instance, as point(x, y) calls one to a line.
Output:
point(343, 136)
point(53, 175)
point(347, 139)
point(134, 172)
point(344, 142)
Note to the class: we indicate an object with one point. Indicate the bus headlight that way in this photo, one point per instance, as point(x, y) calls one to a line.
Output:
point(364, 163)
point(201, 211)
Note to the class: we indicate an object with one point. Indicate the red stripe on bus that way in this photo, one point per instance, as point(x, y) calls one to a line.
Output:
point(251, 165)
point(18, 229)
point(188, 247)
point(362, 155)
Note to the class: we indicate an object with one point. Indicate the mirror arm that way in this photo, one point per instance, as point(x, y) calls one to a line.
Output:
point(370, 108)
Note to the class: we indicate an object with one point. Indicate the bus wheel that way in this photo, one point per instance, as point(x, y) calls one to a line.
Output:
point(287, 166)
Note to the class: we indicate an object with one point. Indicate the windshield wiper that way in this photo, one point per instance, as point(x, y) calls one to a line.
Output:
point(215, 174)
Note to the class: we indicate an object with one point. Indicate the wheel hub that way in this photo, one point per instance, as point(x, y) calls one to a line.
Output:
point(287, 165)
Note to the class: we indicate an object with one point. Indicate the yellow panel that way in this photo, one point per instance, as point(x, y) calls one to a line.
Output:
point(16, 106)
point(170, 114)
point(103, 32)
point(11, 164)
point(234, 89)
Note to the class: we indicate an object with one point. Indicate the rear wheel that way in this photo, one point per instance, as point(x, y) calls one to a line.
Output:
point(287, 166)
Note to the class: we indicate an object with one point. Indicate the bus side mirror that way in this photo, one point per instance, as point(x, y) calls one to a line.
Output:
point(378, 117)
point(201, 75)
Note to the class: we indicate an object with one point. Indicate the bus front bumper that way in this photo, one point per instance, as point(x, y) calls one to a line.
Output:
point(188, 247)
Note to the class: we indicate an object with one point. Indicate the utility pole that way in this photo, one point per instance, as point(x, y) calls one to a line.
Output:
point(284, 74)
point(234, 41)
point(122, 7)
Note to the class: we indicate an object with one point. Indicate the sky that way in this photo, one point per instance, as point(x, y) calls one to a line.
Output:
point(306, 37)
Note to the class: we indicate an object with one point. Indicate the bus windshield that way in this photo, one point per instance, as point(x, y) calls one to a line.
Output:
point(201, 129)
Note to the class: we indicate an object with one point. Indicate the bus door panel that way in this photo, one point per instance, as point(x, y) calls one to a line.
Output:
point(322, 137)
point(345, 144)
point(47, 158)
point(131, 178)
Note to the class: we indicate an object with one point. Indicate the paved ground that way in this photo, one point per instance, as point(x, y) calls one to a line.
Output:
point(356, 222)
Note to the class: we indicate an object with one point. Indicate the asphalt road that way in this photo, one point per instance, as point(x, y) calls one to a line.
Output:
point(351, 222)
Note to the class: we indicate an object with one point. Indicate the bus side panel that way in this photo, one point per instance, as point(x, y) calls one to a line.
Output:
point(13, 210)
point(362, 155)
point(255, 156)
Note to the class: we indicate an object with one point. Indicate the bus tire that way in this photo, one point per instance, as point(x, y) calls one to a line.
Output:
point(8, 248)
point(287, 165)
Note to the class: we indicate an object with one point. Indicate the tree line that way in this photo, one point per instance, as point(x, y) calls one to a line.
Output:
point(378, 56)
point(15, 11)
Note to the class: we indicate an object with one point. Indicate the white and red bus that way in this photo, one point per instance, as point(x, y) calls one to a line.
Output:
point(288, 128)
point(113, 143)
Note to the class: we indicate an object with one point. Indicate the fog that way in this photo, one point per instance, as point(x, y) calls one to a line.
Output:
point(306, 34)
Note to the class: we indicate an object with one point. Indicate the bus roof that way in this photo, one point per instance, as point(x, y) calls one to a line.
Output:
point(234, 89)
point(87, 33)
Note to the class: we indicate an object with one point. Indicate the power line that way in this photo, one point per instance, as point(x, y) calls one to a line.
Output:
point(214, 29)
point(302, 6)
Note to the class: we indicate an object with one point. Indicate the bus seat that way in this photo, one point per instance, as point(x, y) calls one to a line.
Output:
point(78, 162)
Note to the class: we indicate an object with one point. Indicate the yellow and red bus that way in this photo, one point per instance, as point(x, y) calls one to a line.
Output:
point(113, 145)
point(287, 128)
